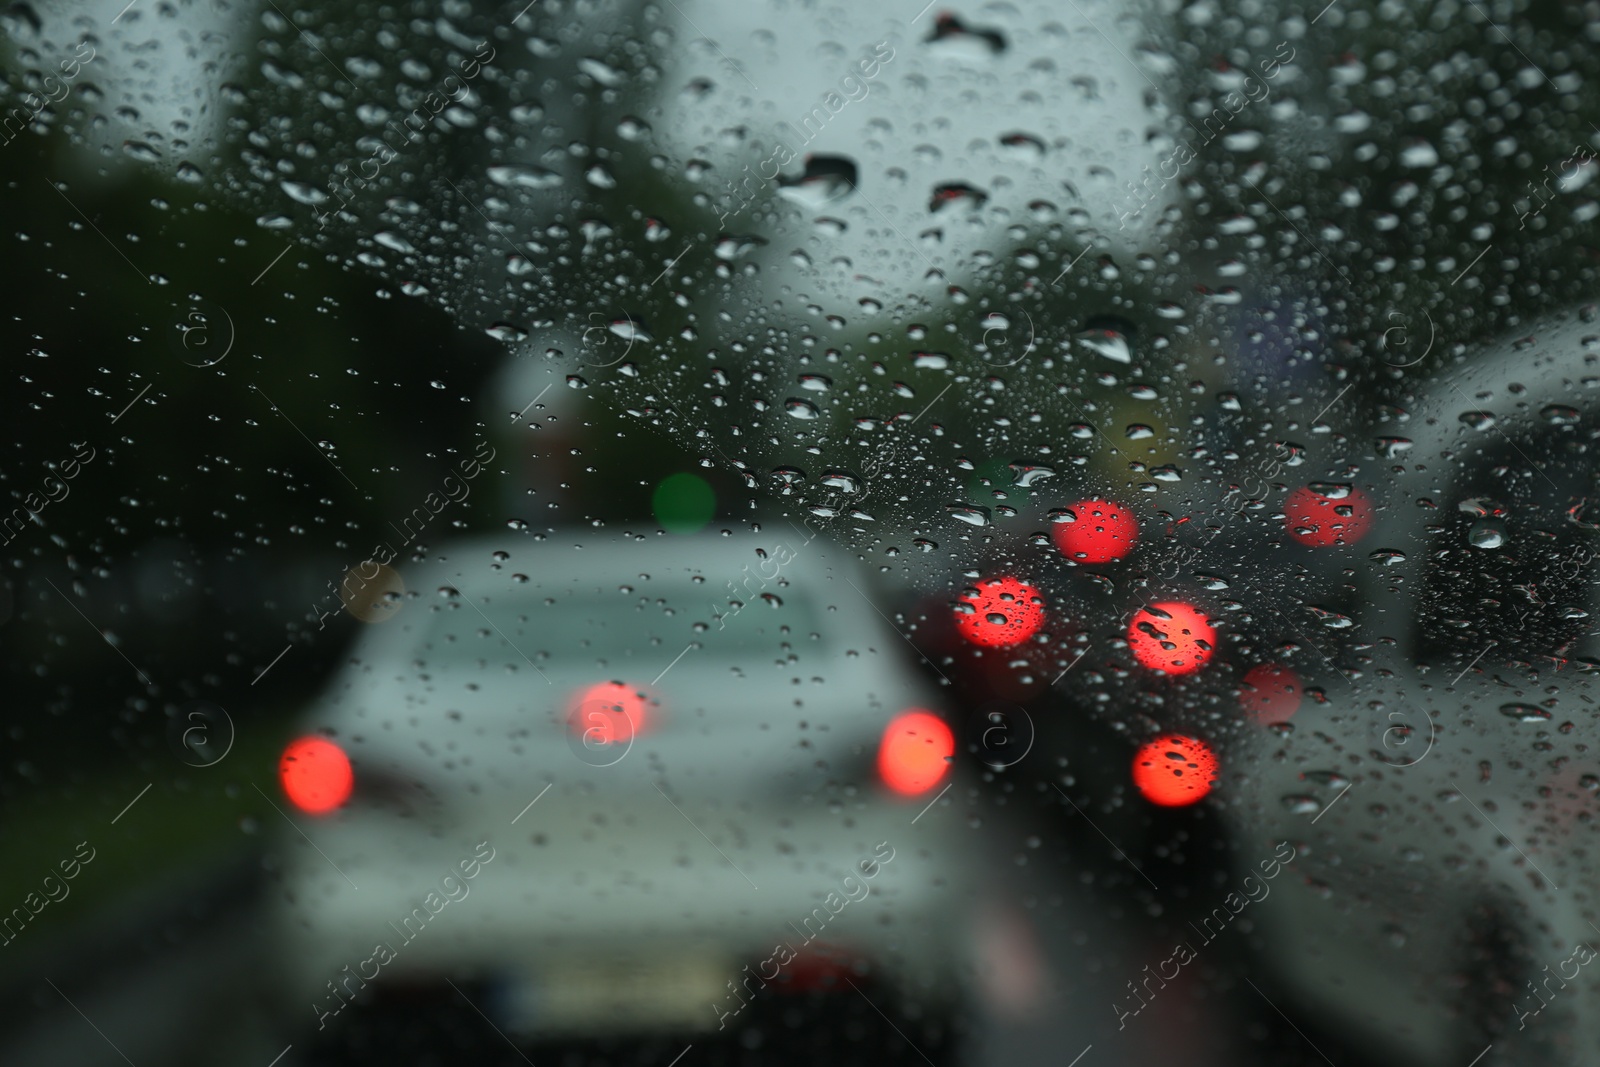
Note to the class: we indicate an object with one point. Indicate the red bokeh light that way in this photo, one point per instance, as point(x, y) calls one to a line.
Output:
point(315, 775)
point(915, 752)
point(1172, 636)
point(1174, 770)
point(1105, 531)
point(1319, 521)
point(1004, 612)
point(818, 966)
point(1270, 692)
point(609, 713)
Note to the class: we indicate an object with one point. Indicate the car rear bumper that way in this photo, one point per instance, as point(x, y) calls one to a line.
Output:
point(635, 920)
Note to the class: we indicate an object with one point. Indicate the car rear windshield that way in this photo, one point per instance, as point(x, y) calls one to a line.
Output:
point(583, 625)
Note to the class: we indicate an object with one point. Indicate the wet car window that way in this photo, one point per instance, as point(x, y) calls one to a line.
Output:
point(611, 622)
point(742, 533)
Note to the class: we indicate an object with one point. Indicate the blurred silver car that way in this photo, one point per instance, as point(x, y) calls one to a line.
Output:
point(623, 787)
point(1443, 904)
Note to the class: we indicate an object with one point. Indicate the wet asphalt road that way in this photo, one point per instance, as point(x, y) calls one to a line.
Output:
point(174, 975)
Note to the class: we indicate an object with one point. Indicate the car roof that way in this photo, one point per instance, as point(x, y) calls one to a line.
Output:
point(582, 554)
point(1513, 377)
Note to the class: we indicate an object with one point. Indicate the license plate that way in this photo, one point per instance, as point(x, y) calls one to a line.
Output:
point(589, 995)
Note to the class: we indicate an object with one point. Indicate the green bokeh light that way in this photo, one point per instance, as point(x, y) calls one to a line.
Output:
point(684, 503)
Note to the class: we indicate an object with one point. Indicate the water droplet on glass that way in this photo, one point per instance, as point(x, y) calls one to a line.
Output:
point(1486, 533)
point(394, 242)
point(1524, 712)
point(1108, 336)
point(506, 332)
point(304, 193)
point(1028, 474)
point(1419, 154)
point(788, 479)
point(516, 176)
point(843, 481)
point(731, 246)
point(1331, 619)
point(825, 179)
point(957, 194)
point(1391, 447)
point(954, 40)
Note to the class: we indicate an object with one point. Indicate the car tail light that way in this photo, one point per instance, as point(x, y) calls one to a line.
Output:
point(1270, 693)
point(915, 752)
point(1000, 612)
point(1174, 770)
point(315, 775)
point(610, 713)
point(1172, 636)
point(818, 966)
point(1104, 532)
point(1320, 515)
